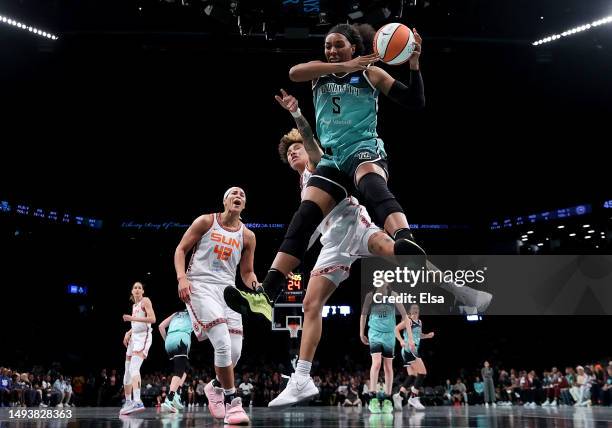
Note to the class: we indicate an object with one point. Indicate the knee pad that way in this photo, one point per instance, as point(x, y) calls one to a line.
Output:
point(127, 379)
point(180, 365)
point(236, 348)
point(220, 339)
point(302, 226)
point(377, 197)
point(135, 366)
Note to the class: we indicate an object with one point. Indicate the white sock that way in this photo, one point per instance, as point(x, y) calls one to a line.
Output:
point(303, 368)
point(137, 395)
point(128, 397)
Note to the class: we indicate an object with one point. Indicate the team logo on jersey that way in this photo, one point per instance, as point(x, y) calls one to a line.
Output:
point(354, 79)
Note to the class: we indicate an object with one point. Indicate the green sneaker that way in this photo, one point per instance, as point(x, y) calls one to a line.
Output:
point(168, 406)
point(244, 302)
point(176, 402)
point(387, 406)
point(374, 405)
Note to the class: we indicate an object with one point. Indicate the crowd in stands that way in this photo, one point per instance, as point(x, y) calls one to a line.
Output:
point(581, 386)
point(586, 385)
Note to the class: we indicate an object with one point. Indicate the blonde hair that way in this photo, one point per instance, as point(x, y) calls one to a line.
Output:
point(288, 139)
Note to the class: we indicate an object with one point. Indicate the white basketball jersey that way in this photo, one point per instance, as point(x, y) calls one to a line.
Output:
point(139, 311)
point(216, 256)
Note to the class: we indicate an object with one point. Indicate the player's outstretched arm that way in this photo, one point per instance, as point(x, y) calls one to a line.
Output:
point(247, 273)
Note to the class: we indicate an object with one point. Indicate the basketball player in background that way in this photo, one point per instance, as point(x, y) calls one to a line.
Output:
point(219, 243)
point(381, 339)
point(409, 341)
point(176, 332)
point(137, 341)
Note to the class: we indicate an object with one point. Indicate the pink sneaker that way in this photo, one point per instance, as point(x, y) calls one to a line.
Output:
point(235, 414)
point(216, 402)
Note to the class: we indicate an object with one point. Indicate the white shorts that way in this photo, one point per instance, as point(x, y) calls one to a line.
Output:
point(207, 309)
point(140, 342)
point(345, 233)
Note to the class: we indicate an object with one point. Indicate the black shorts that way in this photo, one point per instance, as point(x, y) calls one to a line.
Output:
point(340, 182)
point(365, 156)
point(379, 347)
point(408, 357)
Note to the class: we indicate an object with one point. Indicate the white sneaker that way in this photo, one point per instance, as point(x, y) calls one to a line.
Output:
point(397, 402)
point(416, 403)
point(487, 405)
point(126, 407)
point(298, 389)
point(494, 404)
point(137, 406)
point(546, 403)
point(554, 403)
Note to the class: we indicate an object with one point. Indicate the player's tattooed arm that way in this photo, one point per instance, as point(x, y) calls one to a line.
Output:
point(290, 103)
point(310, 142)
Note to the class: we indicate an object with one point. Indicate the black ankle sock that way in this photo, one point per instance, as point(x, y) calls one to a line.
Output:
point(171, 396)
point(229, 398)
point(273, 283)
point(216, 383)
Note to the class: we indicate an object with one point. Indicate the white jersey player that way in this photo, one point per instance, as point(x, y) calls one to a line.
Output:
point(138, 341)
point(219, 244)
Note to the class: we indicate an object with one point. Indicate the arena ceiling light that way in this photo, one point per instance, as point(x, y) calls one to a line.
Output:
point(573, 31)
point(10, 21)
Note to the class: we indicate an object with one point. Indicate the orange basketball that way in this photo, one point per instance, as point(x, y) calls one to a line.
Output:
point(394, 43)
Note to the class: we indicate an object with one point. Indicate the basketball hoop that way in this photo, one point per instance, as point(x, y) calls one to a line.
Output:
point(293, 330)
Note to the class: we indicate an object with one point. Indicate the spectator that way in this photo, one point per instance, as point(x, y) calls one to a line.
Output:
point(352, 396)
point(580, 389)
point(607, 388)
point(597, 382)
point(6, 384)
point(17, 391)
point(67, 390)
point(448, 391)
point(565, 387)
point(200, 395)
point(342, 393)
point(246, 389)
point(58, 388)
point(489, 386)
point(460, 392)
point(479, 392)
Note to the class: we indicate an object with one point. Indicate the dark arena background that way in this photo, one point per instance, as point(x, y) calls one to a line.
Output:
point(125, 120)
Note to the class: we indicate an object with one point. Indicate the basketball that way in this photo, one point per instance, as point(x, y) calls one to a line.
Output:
point(394, 43)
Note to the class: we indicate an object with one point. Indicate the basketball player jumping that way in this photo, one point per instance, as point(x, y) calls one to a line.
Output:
point(220, 242)
point(137, 341)
point(347, 234)
point(346, 89)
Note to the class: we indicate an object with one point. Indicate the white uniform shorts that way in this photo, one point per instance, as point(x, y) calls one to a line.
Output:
point(207, 308)
point(139, 342)
point(345, 233)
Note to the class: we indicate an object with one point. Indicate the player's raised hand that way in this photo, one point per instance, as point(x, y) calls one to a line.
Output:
point(288, 102)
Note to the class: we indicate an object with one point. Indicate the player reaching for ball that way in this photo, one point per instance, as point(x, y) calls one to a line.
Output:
point(346, 89)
